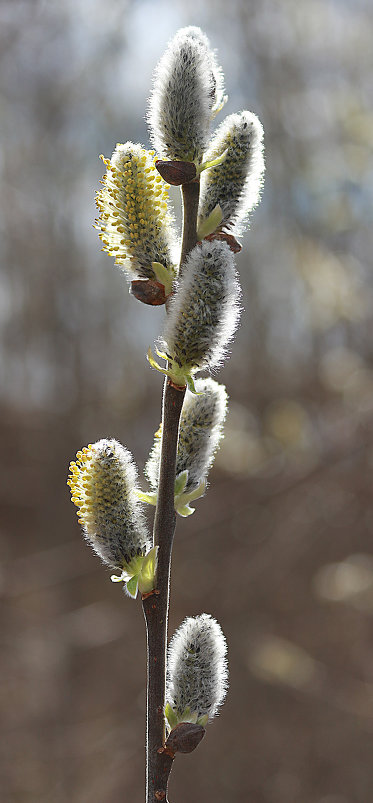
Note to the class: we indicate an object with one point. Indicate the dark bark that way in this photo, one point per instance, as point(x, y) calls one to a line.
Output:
point(155, 605)
point(190, 210)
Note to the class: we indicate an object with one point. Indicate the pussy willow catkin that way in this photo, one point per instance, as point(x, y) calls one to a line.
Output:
point(197, 669)
point(103, 483)
point(188, 89)
point(135, 222)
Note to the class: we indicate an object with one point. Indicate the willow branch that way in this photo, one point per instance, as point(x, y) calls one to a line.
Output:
point(158, 759)
point(156, 605)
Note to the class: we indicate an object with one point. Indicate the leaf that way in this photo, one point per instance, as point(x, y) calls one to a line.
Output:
point(214, 163)
point(154, 363)
point(184, 510)
point(150, 498)
point(191, 385)
point(132, 586)
point(146, 577)
point(180, 482)
point(170, 716)
point(161, 354)
point(164, 276)
point(211, 223)
point(182, 501)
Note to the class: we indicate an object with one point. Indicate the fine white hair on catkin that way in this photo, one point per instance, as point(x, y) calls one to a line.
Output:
point(204, 312)
point(197, 667)
point(188, 86)
point(200, 432)
point(103, 482)
point(236, 184)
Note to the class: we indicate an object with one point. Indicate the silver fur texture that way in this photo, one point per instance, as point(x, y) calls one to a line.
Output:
point(204, 312)
point(188, 87)
point(235, 184)
point(201, 429)
point(197, 667)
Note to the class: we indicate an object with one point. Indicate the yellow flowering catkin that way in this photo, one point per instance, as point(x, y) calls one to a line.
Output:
point(103, 487)
point(135, 224)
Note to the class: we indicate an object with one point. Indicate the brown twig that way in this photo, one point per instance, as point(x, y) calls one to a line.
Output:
point(155, 606)
point(190, 194)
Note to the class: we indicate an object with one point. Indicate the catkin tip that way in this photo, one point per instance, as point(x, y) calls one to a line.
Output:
point(187, 92)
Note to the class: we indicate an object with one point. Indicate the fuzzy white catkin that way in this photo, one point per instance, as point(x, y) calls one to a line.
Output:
point(204, 312)
point(200, 432)
point(103, 482)
point(197, 667)
point(236, 184)
point(188, 86)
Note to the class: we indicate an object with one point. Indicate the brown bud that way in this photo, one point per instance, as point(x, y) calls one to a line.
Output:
point(149, 291)
point(175, 172)
point(234, 245)
point(185, 737)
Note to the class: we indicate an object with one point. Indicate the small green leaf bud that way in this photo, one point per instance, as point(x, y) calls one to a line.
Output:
point(103, 483)
point(197, 678)
point(200, 432)
point(135, 223)
point(234, 186)
point(139, 574)
point(203, 313)
point(187, 92)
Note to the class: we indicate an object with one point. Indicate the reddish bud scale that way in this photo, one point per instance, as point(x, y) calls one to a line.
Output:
point(185, 737)
point(176, 172)
point(223, 236)
point(149, 291)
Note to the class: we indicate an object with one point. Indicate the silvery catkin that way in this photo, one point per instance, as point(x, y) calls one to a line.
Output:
point(200, 432)
point(234, 185)
point(204, 312)
point(197, 668)
point(188, 89)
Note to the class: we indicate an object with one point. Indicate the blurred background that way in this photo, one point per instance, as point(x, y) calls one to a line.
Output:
point(280, 549)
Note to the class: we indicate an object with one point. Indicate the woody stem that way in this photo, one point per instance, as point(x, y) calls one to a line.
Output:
point(156, 605)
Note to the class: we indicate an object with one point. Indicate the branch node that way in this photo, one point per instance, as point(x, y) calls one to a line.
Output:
point(147, 594)
point(166, 751)
point(176, 387)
